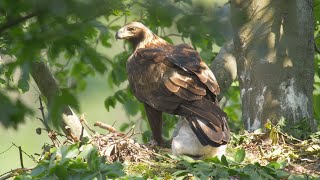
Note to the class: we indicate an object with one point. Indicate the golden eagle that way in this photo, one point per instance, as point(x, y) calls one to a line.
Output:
point(174, 79)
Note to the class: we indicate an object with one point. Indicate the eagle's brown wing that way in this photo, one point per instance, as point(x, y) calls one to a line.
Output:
point(189, 59)
point(189, 78)
point(187, 75)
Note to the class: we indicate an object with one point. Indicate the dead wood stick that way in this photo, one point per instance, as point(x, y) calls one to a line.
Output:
point(30, 156)
point(84, 121)
point(44, 120)
point(108, 128)
point(21, 157)
point(12, 173)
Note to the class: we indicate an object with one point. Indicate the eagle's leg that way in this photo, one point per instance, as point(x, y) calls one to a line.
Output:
point(155, 121)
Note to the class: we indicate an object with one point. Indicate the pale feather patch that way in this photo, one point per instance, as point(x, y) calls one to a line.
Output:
point(186, 142)
point(170, 85)
point(187, 83)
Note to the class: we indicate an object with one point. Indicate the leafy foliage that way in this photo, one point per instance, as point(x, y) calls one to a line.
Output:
point(14, 112)
point(65, 35)
point(225, 168)
point(87, 160)
point(77, 161)
point(51, 31)
point(74, 162)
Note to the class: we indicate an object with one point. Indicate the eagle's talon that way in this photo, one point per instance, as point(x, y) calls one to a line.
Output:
point(163, 144)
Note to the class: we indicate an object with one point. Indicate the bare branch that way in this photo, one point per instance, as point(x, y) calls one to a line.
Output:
point(21, 157)
point(30, 156)
point(108, 128)
point(7, 149)
point(84, 121)
point(12, 173)
point(44, 121)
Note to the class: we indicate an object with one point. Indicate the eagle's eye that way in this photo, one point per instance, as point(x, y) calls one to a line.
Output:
point(131, 28)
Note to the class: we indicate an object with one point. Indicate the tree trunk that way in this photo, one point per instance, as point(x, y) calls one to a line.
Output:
point(274, 47)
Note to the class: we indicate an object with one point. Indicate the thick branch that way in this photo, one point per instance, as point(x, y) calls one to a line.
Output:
point(49, 88)
point(11, 23)
point(224, 66)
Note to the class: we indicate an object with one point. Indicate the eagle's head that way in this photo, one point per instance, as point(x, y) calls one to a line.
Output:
point(133, 31)
point(138, 35)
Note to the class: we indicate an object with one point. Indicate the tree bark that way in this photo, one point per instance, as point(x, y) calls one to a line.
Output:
point(49, 88)
point(274, 47)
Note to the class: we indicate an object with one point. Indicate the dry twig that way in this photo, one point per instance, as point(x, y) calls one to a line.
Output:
point(13, 173)
point(84, 121)
point(108, 127)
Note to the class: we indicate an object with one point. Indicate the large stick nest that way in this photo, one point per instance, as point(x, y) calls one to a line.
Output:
point(118, 147)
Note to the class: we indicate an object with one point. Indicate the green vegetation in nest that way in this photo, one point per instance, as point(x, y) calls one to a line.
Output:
point(114, 155)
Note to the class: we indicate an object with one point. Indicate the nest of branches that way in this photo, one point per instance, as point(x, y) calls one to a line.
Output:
point(117, 146)
point(113, 145)
point(301, 156)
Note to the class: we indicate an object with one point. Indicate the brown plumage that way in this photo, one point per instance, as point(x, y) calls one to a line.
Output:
point(174, 79)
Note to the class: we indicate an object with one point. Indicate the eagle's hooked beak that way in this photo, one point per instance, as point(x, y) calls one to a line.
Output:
point(118, 35)
point(122, 34)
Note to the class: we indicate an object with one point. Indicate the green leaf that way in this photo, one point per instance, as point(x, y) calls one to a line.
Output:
point(281, 174)
point(180, 172)
point(124, 126)
point(23, 82)
point(215, 160)
point(94, 160)
point(60, 101)
point(39, 171)
point(2, 81)
point(104, 39)
point(297, 177)
point(265, 174)
point(113, 170)
point(255, 176)
point(277, 165)
point(224, 160)
point(78, 166)
point(240, 155)
point(87, 151)
point(61, 172)
point(187, 159)
point(71, 152)
point(12, 113)
point(131, 106)
point(110, 102)
point(23, 85)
